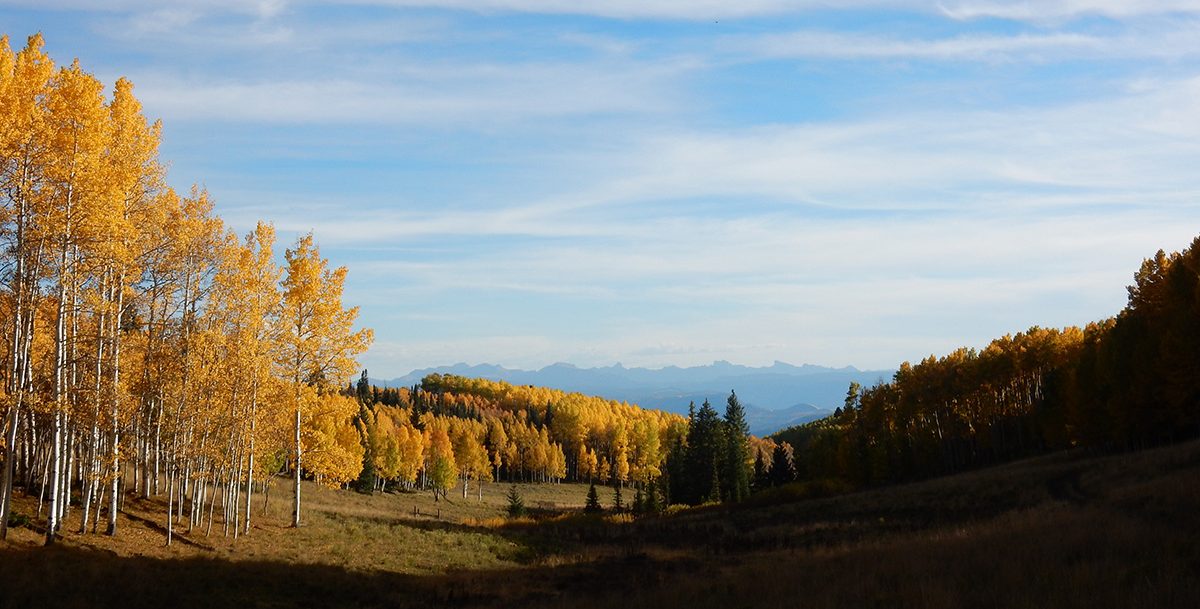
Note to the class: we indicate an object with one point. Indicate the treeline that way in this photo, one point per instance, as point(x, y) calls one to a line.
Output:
point(145, 347)
point(452, 430)
point(1126, 382)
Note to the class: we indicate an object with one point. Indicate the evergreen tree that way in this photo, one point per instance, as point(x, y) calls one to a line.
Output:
point(363, 389)
point(853, 396)
point(783, 470)
point(516, 503)
point(592, 506)
point(714, 486)
point(368, 434)
point(673, 483)
point(663, 492)
point(702, 458)
point(651, 505)
point(737, 451)
point(761, 475)
point(639, 502)
point(618, 505)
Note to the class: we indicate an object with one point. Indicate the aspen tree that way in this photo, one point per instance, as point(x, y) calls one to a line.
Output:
point(74, 190)
point(139, 336)
point(318, 342)
point(440, 466)
point(411, 448)
point(331, 442)
point(134, 177)
point(195, 234)
point(25, 79)
point(246, 301)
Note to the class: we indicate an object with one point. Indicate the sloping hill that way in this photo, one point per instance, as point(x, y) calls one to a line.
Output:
point(1064, 530)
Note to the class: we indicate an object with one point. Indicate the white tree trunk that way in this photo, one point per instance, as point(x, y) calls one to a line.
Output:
point(296, 476)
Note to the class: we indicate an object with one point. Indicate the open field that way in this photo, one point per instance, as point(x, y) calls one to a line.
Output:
point(401, 532)
point(1065, 530)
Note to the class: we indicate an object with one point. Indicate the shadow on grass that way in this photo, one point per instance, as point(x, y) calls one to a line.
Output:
point(1060, 556)
point(1114, 532)
point(80, 577)
point(177, 535)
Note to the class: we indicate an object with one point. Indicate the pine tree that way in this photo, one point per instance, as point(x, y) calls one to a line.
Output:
point(363, 389)
point(367, 429)
point(516, 503)
point(761, 478)
point(592, 505)
point(737, 451)
point(652, 505)
point(783, 470)
point(674, 482)
point(714, 486)
point(702, 457)
point(618, 506)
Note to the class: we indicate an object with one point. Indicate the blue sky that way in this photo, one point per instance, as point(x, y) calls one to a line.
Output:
point(672, 182)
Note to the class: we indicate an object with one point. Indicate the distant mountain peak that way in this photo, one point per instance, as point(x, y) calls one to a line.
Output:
point(780, 393)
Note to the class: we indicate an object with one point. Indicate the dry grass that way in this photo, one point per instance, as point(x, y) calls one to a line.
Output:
point(1061, 531)
point(390, 532)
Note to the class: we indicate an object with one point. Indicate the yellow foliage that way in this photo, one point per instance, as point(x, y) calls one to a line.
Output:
point(332, 445)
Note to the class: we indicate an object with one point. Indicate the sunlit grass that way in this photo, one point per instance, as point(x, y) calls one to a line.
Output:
point(399, 532)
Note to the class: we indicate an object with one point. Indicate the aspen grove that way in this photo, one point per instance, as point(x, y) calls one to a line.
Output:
point(146, 348)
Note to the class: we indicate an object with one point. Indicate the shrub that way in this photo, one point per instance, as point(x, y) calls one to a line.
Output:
point(17, 520)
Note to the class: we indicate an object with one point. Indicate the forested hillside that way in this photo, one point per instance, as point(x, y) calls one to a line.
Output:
point(452, 429)
point(1127, 382)
point(146, 348)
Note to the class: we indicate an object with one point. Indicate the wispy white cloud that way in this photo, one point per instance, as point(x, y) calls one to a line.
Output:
point(259, 8)
point(1170, 41)
point(765, 254)
point(695, 10)
point(832, 201)
point(689, 10)
point(989, 224)
point(815, 290)
point(1043, 10)
point(476, 94)
point(385, 356)
point(617, 206)
point(833, 45)
point(698, 10)
point(1138, 142)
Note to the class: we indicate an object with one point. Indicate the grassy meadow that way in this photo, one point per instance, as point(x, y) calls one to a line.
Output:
point(1066, 530)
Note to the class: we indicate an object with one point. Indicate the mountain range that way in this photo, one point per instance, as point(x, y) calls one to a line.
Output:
point(775, 396)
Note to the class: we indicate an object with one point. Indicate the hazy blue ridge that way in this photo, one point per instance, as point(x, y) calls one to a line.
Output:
point(776, 396)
